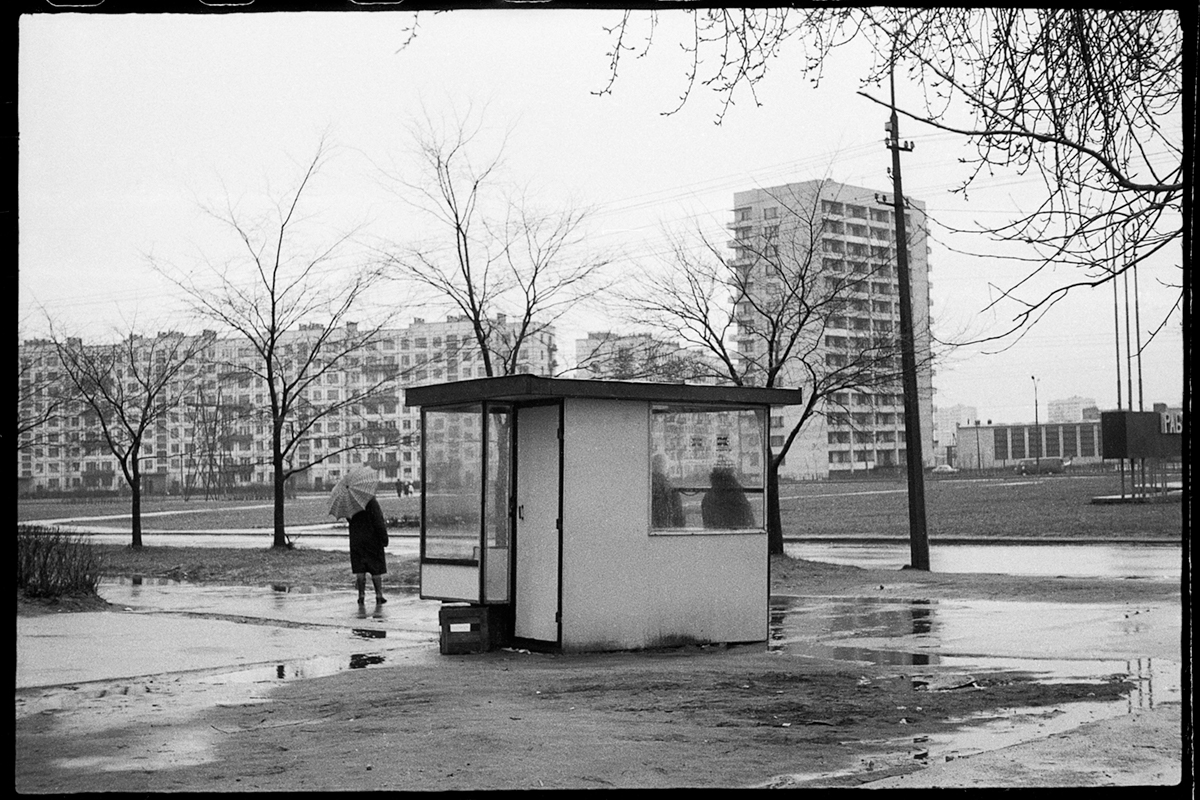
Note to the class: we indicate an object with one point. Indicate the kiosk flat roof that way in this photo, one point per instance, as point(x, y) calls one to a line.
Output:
point(518, 388)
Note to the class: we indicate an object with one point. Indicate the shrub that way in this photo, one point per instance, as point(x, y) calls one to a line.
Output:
point(51, 563)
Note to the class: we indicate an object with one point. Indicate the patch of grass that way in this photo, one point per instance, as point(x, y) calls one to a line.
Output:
point(265, 566)
point(1039, 507)
point(962, 505)
point(53, 564)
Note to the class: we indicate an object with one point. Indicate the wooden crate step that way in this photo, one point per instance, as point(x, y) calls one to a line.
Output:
point(476, 638)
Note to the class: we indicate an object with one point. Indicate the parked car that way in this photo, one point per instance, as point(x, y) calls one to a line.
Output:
point(1047, 466)
point(944, 469)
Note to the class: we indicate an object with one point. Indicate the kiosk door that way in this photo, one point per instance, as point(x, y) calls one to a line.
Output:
point(537, 542)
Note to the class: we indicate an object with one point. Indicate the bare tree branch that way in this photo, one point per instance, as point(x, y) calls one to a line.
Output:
point(1089, 100)
point(511, 270)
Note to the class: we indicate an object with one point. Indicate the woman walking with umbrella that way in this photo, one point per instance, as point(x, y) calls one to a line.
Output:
point(354, 498)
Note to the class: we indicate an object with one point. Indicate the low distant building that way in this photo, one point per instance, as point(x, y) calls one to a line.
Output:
point(1000, 446)
point(987, 446)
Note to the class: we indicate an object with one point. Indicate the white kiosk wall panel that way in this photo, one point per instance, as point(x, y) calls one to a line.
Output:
point(450, 582)
point(624, 588)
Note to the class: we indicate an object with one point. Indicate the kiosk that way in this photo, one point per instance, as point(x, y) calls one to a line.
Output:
point(580, 515)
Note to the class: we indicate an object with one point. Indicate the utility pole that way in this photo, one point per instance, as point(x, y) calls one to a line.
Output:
point(978, 448)
point(917, 535)
point(1037, 430)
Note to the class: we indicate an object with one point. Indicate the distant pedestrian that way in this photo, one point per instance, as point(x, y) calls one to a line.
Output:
point(368, 538)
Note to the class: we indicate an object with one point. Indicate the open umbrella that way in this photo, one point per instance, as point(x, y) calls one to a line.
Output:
point(353, 492)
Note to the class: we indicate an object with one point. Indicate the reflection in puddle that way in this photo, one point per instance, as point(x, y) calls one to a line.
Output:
point(140, 580)
point(319, 667)
point(369, 633)
point(361, 661)
point(804, 625)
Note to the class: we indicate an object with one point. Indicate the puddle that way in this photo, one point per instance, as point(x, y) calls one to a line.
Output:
point(300, 669)
point(899, 631)
point(980, 733)
point(804, 626)
point(957, 638)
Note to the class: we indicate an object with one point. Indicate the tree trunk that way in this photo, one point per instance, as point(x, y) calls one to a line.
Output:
point(280, 534)
point(135, 493)
point(774, 518)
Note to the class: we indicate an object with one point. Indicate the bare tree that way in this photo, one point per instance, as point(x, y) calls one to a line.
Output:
point(510, 269)
point(129, 388)
point(1087, 100)
point(776, 314)
point(290, 305)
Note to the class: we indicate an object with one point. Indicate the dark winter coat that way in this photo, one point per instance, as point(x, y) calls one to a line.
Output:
point(725, 504)
point(368, 537)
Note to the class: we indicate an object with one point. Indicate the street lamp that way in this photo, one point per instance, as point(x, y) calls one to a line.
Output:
point(1037, 430)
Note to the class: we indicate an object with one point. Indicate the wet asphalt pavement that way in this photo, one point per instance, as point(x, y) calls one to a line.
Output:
point(173, 627)
point(179, 628)
point(202, 646)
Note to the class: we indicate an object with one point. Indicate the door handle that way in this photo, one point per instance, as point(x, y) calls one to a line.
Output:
point(521, 512)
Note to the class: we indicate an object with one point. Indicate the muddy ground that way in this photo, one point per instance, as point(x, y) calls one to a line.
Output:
point(687, 717)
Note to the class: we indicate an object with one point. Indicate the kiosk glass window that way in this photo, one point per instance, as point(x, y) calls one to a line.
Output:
point(497, 517)
point(453, 482)
point(707, 470)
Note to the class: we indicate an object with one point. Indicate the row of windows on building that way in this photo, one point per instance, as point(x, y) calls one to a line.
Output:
point(829, 208)
point(889, 457)
point(1058, 441)
point(744, 249)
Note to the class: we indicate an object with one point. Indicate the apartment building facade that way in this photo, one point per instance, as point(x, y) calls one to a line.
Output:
point(609, 355)
point(216, 437)
point(946, 421)
point(1072, 409)
point(845, 237)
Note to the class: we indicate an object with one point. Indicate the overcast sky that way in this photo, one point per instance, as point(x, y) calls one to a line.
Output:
point(129, 124)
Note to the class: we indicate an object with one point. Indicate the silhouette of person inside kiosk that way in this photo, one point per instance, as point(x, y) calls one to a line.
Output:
point(725, 504)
